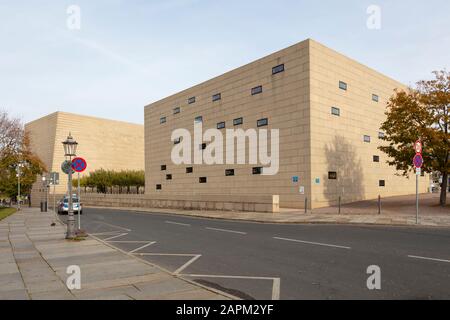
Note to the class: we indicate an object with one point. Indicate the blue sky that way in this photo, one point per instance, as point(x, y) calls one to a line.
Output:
point(130, 53)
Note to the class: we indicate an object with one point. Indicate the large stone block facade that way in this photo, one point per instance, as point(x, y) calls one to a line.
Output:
point(106, 144)
point(316, 141)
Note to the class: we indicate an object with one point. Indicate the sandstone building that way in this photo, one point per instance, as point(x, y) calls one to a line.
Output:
point(328, 109)
point(106, 144)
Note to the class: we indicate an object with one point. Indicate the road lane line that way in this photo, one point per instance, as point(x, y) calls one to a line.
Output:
point(314, 243)
point(114, 237)
point(179, 223)
point(114, 226)
point(225, 230)
point(226, 277)
point(275, 285)
point(126, 241)
point(276, 289)
point(109, 233)
point(184, 266)
point(166, 254)
point(426, 258)
point(142, 247)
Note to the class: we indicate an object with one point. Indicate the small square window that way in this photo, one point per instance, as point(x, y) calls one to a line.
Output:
point(238, 121)
point(381, 183)
point(202, 146)
point(335, 111)
point(342, 85)
point(177, 141)
point(380, 135)
point(176, 110)
point(168, 177)
point(376, 158)
point(162, 120)
point(221, 125)
point(262, 122)
point(191, 100)
point(366, 138)
point(278, 69)
point(216, 97)
point(189, 170)
point(375, 98)
point(257, 90)
point(198, 119)
point(229, 172)
point(163, 167)
point(202, 180)
point(257, 170)
point(332, 175)
point(158, 187)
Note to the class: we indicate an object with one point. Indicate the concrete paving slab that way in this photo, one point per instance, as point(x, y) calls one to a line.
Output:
point(14, 294)
point(52, 295)
point(128, 291)
point(45, 286)
point(8, 268)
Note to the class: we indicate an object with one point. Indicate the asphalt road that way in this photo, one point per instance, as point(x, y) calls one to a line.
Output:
point(274, 261)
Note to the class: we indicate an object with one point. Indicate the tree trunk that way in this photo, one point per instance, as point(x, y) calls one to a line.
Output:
point(444, 186)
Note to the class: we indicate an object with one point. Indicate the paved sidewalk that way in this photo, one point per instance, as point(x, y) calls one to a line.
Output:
point(395, 211)
point(34, 257)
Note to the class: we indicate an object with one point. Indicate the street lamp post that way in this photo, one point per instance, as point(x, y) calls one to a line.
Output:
point(44, 184)
point(70, 148)
point(19, 165)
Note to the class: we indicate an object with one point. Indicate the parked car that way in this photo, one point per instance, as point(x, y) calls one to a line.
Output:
point(63, 206)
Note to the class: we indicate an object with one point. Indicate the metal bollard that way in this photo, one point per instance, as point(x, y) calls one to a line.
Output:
point(339, 205)
point(379, 204)
point(306, 205)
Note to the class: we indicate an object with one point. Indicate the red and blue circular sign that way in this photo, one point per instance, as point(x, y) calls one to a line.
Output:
point(79, 164)
point(418, 161)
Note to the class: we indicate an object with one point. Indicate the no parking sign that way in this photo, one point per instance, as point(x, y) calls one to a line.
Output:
point(79, 164)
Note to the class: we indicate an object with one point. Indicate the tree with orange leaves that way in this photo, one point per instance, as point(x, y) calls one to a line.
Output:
point(14, 150)
point(421, 113)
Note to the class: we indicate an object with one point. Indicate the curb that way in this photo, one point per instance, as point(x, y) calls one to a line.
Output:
point(147, 211)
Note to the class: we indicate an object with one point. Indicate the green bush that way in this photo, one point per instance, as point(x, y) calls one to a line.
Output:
point(105, 180)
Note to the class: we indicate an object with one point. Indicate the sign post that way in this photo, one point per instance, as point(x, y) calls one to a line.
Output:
point(54, 180)
point(418, 162)
point(79, 165)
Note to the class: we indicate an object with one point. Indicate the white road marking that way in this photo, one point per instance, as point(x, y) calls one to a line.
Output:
point(275, 286)
point(314, 243)
point(166, 254)
point(179, 223)
point(126, 241)
point(142, 247)
point(105, 233)
point(276, 289)
point(184, 266)
point(225, 230)
point(426, 258)
point(114, 226)
point(114, 237)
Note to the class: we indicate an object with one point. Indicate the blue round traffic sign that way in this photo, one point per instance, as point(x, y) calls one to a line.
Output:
point(418, 161)
point(79, 164)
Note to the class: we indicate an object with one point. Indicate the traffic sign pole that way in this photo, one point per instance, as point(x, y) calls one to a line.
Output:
point(417, 199)
point(418, 162)
point(79, 203)
point(79, 165)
